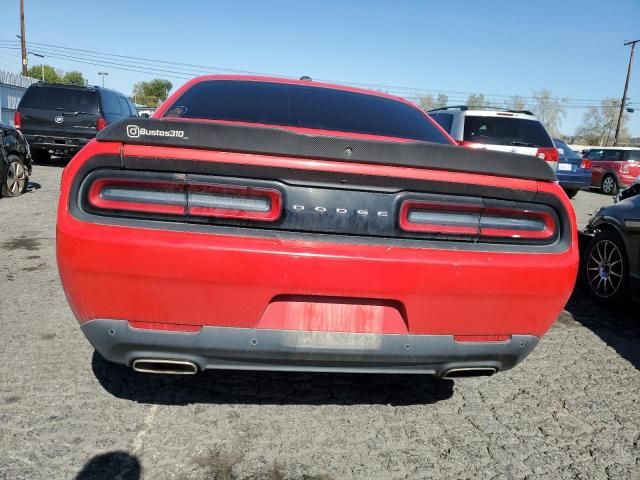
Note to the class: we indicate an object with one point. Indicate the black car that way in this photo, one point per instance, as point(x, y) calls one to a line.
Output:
point(15, 161)
point(611, 261)
point(63, 118)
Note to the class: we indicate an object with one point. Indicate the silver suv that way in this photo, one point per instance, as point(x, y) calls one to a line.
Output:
point(516, 131)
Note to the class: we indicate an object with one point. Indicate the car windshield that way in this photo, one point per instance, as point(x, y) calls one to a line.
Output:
point(567, 152)
point(506, 131)
point(304, 106)
point(57, 98)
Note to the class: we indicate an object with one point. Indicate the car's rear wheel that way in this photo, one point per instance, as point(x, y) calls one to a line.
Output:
point(16, 178)
point(571, 192)
point(609, 185)
point(604, 268)
point(41, 156)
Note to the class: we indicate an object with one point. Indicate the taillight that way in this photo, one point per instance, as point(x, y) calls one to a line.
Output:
point(484, 220)
point(550, 154)
point(17, 120)
point(586, 164)
point(170, 197)
point(100, 123)
point(147, 196)
point(232, 201)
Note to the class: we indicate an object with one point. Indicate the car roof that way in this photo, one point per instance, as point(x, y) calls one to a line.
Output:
point(500, 113)
point(615, 148)
point(90, 88)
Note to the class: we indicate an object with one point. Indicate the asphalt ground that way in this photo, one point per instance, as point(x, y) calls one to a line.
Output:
point(570, 410)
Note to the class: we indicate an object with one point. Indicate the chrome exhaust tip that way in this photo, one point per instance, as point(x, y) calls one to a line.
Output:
point(168, 367)
point(470, 372)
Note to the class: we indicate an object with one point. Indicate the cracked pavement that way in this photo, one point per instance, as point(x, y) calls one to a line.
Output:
point(570, 410)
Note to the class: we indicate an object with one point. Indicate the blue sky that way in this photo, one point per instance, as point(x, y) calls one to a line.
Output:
point(575, 48)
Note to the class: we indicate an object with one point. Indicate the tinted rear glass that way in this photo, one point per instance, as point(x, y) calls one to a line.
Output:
point(66, 99)
point(634, 155)
point(568, 152)
point(302, 106)
point(506, 131)
point(444, 119)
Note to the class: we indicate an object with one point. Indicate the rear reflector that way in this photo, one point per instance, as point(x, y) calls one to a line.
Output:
point(491, 220)
point(481, 338)
point(179, 198)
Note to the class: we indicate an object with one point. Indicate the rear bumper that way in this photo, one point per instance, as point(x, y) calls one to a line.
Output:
point(49, 142)
point(294, 350)
point(579, 180)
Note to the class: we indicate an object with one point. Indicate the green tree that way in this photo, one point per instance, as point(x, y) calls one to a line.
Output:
point(550, 110)
point(152, 93)
point(73, 78)
point(50, 73)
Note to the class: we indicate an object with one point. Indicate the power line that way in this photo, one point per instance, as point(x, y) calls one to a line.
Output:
point(97, 56)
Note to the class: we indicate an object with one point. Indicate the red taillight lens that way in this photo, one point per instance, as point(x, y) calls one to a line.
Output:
point(550, 154)
point(586, 164)
point(491, 221)
point(515, 223)
point(232, 201)
point(100, 123)
point(147, 196)
point(160, 197)
point(440, 218)
point(17, 120)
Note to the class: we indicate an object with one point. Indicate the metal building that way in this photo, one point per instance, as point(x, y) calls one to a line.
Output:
point(12, 86)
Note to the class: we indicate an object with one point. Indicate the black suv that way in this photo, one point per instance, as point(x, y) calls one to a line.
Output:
point(63, 118)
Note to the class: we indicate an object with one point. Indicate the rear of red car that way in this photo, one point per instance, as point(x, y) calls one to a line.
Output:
point(281, 225)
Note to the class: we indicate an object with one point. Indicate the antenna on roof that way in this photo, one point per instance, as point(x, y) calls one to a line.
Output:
point(306, 78)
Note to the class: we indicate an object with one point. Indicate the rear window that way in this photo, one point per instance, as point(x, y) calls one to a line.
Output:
point(634, 155)
point(66, 99)
point(506, 131)
point(306, 107)
point(444, 119)
point(567, 151)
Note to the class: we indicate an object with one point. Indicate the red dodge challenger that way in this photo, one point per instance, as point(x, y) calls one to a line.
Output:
point(273, 224)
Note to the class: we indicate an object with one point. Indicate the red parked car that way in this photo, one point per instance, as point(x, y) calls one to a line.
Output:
point(263, 223)
point(613, 168)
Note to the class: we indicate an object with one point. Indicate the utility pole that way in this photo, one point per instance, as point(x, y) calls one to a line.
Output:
point(626, 86)
point(23, 40)
point(103, 74)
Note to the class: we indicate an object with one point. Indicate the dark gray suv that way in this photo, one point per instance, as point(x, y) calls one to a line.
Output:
point(61, 119)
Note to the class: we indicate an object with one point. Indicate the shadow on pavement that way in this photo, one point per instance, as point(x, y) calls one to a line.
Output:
point(111, 465)
point(281, 388)
point(619, 326)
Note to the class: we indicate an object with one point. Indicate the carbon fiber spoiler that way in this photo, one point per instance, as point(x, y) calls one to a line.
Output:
point(283, 142)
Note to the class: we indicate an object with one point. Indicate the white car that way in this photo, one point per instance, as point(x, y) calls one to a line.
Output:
point(498, 129)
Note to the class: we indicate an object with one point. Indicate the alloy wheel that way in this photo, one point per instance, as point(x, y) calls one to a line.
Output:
point(608, 185)
point(16, 178)
point(605, 269)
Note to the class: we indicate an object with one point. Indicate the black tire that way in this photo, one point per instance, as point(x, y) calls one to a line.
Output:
point(40, 156)
point(609, 185)
point(16, 178)
point(571, 192)
point(604, 268)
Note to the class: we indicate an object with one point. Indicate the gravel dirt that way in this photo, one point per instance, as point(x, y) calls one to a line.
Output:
point(570, 410)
